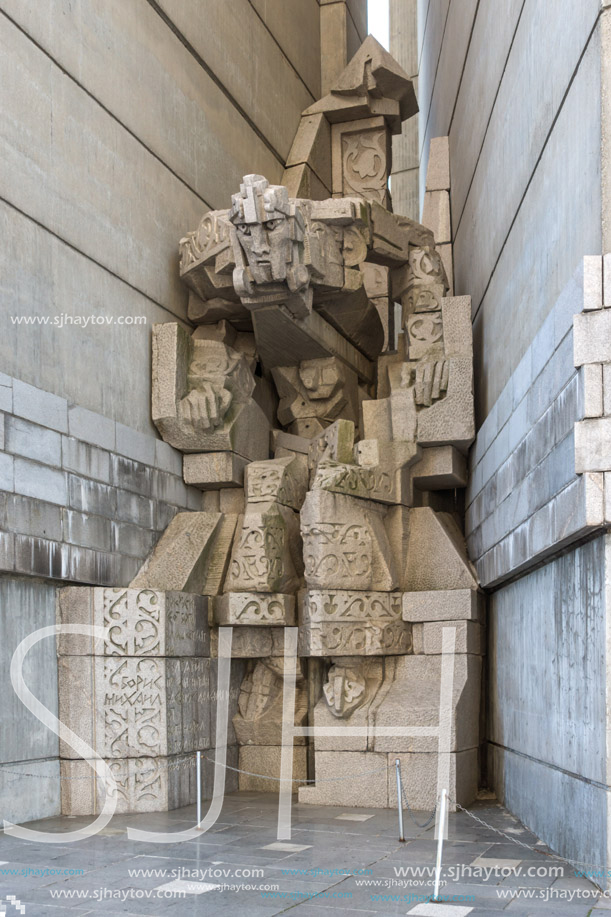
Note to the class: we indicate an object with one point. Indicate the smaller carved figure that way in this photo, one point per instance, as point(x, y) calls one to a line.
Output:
point(216, 376)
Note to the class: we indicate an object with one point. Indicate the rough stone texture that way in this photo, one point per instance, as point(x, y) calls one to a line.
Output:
point(284, 480)
point(142, 622)
point(143, 785)
point(255, 608)
point(214, 470)
point(258, 720)
point(250, 642)
point(413, 699)
point(372, 787)
point(340, 623)
point(419, 776)
point(135, 706)
point(440, 468)
point(436, 556)
point(265, 760)
point(266, 555)
point(191, 556)
point(438, 167)
point(352, 551)
point(443, 605)
point(592, 336)
point(436, 215)
point(593, 445)
point(428, 638)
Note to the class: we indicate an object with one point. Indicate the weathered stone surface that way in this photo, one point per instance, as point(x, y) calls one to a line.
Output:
point(419, 774)
point(341, 623)
point(443, 605)
point(141, 622)
point(370, 788)
point(593, 444)
point(428, 638)
point(130, 707)
point(438, 169)
point(202, 396)
point(440, 468)
point(289, 442)
point(252, 642)
point(435, 553)
point(592, 337)
point(266, 555)
point(354, 143)
point(255, 609)
point(350, 552)
point(191, 555)
point(260, 703)
point(335, 444)
point(283, 480)
point(323, 388)
point(214, 470)
point(436, 215)
point(265, 759)
point(231, 500)
point(312, 145)
point(143, 785)
point(369, 483)
point(414, 700)
point(350, 695)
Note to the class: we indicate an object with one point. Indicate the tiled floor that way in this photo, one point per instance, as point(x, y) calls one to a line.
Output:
point(334, 864)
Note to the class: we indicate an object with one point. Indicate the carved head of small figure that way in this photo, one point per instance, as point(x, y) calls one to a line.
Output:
point(261, 214)
point(346, 690)
point(321, 377)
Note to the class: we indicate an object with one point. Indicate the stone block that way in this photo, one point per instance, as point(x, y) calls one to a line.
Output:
point(436, 555)
point(283, 480)
point(85, 459)
point(413, 699)
point(265, 759)
point(440, 468)
point(86, 530)
point(592, 282)
point(591, 382)
point(592, 337)
point(366, 783)
point(345, 545)
point(342, 623)
point(252, 642)
point(231, 500)
point(133, 476)
point(32, 441)
point(131, 539)
point(141, 622)
point(238, 670)
point(607, 280)
point(593, 445)
point(436, 215)
point(255, 609)
point(133, 707)
point(214, 470)
point(450, 419)
point(40, 407)
point(297, 444)
point(258, 720)
point(419, 775)
point(202, 396)
point(191, 555)
point(136, 509)
point(135, 445)
point(31, 517)
point(443, 605)
point(91, 427)
point(143, 785)
point(167, 458)
point(353, 690)
point(429, 638)
point(267, 554)
point(312, 145)
point(39, 481)
point(438, 169)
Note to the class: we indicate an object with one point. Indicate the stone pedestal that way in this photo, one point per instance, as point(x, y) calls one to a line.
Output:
point(140, 697)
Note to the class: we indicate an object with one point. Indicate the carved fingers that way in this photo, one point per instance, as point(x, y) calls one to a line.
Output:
point(431, 381)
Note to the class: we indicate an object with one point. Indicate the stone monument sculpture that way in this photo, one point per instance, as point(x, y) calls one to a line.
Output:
point(329, 441)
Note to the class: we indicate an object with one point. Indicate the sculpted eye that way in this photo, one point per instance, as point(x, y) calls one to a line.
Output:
point(244, 228)
point(272, 224)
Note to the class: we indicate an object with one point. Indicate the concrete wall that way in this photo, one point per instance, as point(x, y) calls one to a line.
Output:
point(521, 90)
point(547, 708)
point(122, 124)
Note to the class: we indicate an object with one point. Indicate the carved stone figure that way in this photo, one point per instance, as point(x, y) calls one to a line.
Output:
point(259, 717)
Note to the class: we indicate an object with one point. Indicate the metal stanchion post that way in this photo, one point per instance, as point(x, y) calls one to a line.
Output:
point(443, 814)
point(199, 788)
point(399, 799)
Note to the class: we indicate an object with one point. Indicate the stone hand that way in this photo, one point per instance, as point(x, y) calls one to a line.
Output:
point(204, 407)
point(431, 381)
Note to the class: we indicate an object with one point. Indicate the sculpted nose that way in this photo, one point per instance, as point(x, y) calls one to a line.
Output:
point(260, 244)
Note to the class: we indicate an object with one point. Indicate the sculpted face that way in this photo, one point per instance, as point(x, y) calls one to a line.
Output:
point(345, 691)
point(320, 377)
point(267, 246)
